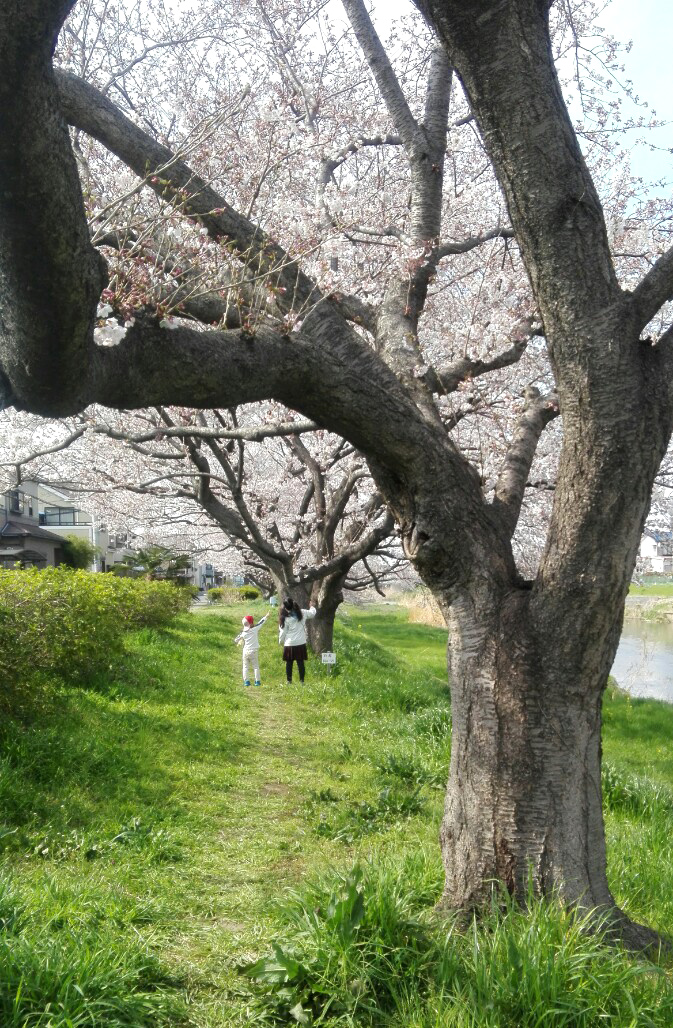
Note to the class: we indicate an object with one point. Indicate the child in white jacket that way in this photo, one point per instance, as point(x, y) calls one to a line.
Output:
point(249, 640)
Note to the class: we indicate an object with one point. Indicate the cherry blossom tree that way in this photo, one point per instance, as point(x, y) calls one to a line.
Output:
point(377, 311)
point(297, 505)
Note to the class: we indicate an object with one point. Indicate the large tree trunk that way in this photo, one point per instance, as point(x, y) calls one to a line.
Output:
point(524, 798)
point(327, 597)
point(523, 804)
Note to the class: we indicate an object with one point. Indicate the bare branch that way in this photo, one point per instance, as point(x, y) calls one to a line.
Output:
point(250, 434)
point(56, 448)
point(446, 378)
point(465, 245)
point(330, 165)
point(352, 554)
point(338, 503)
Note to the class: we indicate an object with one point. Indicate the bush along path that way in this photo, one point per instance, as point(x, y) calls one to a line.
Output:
point(178, 849)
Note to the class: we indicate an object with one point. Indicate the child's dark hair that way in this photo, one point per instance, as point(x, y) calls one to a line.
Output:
point(289, 607)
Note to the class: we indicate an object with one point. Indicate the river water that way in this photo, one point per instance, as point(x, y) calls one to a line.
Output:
point(644, 662)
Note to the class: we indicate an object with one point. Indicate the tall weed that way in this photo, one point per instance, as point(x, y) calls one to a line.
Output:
point(364, 949)
point(54, 975)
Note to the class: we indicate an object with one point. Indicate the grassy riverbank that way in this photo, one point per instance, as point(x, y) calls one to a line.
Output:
point(652, 589)
point(652, 601)
point(165, 825)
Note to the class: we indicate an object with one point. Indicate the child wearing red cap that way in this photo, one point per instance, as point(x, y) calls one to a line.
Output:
point(249, 640)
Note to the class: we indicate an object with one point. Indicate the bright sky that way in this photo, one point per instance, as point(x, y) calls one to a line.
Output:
point(649, 23)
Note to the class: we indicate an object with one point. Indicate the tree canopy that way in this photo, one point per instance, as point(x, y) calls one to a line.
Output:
point(325, 216)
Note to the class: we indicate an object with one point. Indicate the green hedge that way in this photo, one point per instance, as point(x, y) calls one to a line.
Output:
point(72, 622)
point(231, 594)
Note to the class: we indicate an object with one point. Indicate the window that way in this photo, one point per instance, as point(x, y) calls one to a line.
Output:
point(60, 516)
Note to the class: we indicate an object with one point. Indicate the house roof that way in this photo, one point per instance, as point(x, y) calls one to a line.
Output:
point(23, 555)
point(17, 530)
point(659, 535)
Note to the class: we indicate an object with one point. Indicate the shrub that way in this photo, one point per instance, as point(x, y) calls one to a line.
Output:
point(224, 594)
point(72, 622)
point(249, 592)
point(78, 552)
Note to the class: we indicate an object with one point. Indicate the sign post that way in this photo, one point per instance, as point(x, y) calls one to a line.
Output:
point(329, 659)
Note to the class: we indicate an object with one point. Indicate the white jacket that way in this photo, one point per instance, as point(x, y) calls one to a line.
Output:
point(293, 632)
point(249, 637)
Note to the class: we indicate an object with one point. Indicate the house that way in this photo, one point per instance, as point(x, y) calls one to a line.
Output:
point(59, 513)
point(23, 541)
point(202, 575)
point(51, 513)
point(656, 551)
point(39, 515)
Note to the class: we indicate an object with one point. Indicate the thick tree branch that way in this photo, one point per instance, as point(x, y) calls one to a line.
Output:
point(447, 378)
point(654, 290)
point(50, 275)
point(527, 131)
point(355, 310)
point(180, 366)
point(437, 98)
point(172, 180)
point(404, 299)
point(513, 478)
point(382, 69)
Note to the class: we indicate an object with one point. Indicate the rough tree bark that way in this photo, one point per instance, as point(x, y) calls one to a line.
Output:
point(527, 681)
point(529, 660)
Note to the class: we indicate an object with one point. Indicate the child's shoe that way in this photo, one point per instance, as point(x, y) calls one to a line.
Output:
point(257, 682)
point(246, 682)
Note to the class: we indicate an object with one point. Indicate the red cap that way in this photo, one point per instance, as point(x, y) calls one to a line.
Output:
point(250, 619)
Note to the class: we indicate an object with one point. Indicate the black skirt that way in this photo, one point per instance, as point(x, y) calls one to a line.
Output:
point(295, 652)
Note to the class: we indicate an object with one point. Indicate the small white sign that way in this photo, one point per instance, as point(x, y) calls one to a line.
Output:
point(329, 658)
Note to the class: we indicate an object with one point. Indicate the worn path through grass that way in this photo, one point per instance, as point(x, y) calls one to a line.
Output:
point(305, 757)
point(154, 820)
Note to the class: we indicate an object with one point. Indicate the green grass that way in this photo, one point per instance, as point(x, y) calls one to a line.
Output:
point(652, 589)
point(162, 826)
